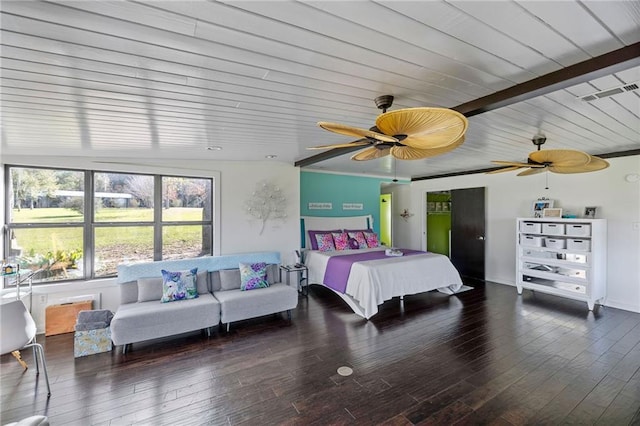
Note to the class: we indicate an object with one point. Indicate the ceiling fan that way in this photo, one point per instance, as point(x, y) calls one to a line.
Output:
point(563, 161)
point(406, 134)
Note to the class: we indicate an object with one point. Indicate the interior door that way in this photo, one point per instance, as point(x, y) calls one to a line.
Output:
point(468, 232)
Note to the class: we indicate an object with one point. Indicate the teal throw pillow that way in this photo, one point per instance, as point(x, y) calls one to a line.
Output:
point(180, 285)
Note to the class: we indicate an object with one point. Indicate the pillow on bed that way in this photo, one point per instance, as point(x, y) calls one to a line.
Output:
point(340, 240)
point(359, 237)
point(324, 242)
point(312, 237)
point(353, 244)
point(372, 239)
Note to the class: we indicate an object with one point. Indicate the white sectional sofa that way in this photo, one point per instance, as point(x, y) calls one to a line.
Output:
point(141, 316)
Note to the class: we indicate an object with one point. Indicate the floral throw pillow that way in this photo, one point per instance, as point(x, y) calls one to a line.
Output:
point(314, 241)
point(359, 237)
point(325, 242)
point(372, 239)
point(253, 276)
point(353, 244)
point(340, 240)
point(179, 285)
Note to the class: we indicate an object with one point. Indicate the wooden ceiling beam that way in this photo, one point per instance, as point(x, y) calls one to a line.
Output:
point(616, 154)
point(606, 64)
point(582, 72)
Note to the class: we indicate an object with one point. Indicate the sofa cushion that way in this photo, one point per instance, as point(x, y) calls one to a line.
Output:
point(135, 322)
point(253, 276)
point(236, 305)
point(179, 285)
point(149, 289)
point(214, 278)
point(229, 279)
point(128, 292)
point(202, 282)
point(273, 274)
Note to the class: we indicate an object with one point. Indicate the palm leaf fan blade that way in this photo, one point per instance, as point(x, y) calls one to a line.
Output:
point(594, 165)
point(371, 154)
point(360, 142)
point(504, 169)
point(425, 128)
point(532, 171)
point(561, 157)
point(409, 153)
point(515, 164)
point(355, 131)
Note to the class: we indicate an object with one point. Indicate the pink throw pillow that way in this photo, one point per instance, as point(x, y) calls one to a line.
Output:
point(372, 239)
point(325, 242)
point(340, 240)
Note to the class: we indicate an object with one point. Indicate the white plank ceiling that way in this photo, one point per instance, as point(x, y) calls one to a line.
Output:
point(120, 80)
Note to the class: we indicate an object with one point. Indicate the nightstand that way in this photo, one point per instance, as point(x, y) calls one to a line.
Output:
point(302, 275)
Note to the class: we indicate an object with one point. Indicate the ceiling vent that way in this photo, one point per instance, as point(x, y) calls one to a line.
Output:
point(610, 92)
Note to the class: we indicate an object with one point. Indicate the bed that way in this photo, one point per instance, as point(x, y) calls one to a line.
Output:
point(367, 277)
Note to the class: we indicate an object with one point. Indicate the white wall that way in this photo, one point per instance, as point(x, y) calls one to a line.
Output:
point(509, 197)
point(401, 229)
point(237, 232)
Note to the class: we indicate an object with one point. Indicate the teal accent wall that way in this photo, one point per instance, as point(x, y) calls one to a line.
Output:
point(339, 189)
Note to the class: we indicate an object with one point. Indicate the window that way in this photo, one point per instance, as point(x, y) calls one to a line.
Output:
point(81, 225)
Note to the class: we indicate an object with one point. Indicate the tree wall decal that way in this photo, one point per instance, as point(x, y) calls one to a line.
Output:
point(266, 203)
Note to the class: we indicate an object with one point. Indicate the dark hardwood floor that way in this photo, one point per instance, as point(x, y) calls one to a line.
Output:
point(486, 356)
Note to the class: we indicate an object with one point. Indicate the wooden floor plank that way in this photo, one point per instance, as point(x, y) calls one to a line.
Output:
point(485, 356)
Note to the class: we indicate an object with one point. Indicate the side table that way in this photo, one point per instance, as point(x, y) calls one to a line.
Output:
point(302, 275)
point(19, 277)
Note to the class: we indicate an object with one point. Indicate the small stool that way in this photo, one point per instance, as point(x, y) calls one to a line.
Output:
point(93, 334)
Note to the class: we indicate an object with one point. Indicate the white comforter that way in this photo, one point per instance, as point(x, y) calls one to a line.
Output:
point(372, 282)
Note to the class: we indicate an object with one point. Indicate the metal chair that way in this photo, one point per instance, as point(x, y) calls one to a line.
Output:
point(18, 331)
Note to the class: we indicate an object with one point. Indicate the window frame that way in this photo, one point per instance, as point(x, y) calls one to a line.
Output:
point(89, 224)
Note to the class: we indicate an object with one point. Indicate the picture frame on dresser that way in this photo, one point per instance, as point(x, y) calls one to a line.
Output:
point(538, 207)
point(552, 212)
point(590, 212)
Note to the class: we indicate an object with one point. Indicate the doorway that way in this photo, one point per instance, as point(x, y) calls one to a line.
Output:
point(456, 227)
point(438, 221)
